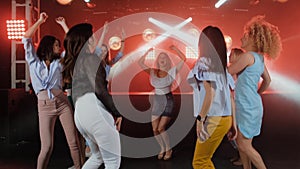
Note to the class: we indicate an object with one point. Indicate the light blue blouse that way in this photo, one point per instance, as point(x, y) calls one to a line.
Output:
point(98, 52)
point(221, 105)
point(41, 77)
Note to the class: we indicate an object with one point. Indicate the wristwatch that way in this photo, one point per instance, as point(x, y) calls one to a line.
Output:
point(199, 118)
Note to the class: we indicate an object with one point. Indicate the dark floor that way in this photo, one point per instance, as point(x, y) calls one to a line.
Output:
point(278, 142)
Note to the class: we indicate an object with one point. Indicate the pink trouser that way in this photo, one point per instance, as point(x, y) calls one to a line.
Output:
point(49, 110)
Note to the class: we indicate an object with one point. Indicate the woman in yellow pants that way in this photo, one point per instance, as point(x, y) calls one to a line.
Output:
point(212, 86)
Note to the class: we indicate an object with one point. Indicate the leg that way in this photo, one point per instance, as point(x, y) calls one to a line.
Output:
point(217, 127)
point(248, 153)
point(202, 156)
point(80, 140)
point(164, 121)
point(67, 120)
point(97, 124)
point(245, 160)
point(110, 148)
point(95, 159)
point(46, 125)
point(155, 123)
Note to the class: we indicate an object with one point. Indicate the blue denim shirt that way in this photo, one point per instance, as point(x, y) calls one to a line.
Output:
point(119, 55)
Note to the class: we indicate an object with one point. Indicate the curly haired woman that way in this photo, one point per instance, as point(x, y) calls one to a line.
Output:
point(261, 39)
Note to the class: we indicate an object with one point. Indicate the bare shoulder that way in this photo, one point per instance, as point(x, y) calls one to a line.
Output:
point(247, 58)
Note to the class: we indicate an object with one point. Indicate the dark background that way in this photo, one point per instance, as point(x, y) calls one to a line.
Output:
point(230, 18)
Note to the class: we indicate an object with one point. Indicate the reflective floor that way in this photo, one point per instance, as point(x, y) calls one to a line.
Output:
point(278, 144)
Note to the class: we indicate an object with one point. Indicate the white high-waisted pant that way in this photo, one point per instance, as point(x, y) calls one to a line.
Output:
point(96, 125)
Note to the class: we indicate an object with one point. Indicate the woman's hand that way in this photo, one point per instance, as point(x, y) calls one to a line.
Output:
point(60, 20)
point(43, 17)
point(118, 123)
point(232, 133)
point(199, 128)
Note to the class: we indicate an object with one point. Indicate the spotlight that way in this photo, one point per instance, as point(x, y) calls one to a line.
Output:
point(115, 43)
point(91, 5)
point(281, 1)
point(64, 2)
point(194, 32)
point(15, 29)
point(191, 52)
point(148, 34)
point(228, 41)
point(220, 3)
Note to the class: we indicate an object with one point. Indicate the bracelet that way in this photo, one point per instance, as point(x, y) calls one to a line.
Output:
point(199, 118)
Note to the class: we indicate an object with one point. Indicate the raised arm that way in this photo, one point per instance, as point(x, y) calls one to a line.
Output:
point(123, 40)
point(29, 33)
point(142, 61)
point(62, 22)
point(242, 62)
point(266, 81)
point(100, 42)
point(181, 55)
point(120, 53)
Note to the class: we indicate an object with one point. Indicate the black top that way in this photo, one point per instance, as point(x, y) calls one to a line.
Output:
point(89, 76)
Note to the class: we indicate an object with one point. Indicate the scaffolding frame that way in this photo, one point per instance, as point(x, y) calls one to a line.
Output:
point(31, 7)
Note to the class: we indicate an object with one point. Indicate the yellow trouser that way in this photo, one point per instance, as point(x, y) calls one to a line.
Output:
point(216, 127)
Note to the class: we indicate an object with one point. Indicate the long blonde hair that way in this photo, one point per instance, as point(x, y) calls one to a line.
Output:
point(169, 62)
point(265, 36)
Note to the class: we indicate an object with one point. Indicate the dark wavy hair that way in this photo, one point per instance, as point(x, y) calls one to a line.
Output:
point(74, 41)
point(212, 45)
point(45, 48)
point(106, 57)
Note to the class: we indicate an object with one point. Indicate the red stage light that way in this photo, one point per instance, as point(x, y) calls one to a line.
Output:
point(64, 2)
point(15, 29)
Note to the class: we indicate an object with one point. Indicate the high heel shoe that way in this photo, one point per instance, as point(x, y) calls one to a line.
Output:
point(168, 155)
point(160, 155)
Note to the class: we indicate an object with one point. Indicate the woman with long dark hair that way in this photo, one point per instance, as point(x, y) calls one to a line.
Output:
point(45, 72)
point(96, 116)
point(212, 96)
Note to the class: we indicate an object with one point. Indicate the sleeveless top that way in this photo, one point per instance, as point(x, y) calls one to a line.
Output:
point(249, 108)
point(162, 85)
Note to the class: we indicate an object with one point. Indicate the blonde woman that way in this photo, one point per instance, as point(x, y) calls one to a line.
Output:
point(162, 78)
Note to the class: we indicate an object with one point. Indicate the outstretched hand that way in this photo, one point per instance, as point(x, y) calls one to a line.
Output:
point(43, 17)
point(149, 50)
point(105, 27)
point(60, 20)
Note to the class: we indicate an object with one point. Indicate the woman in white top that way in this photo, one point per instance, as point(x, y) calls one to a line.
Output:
point(162, 78)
